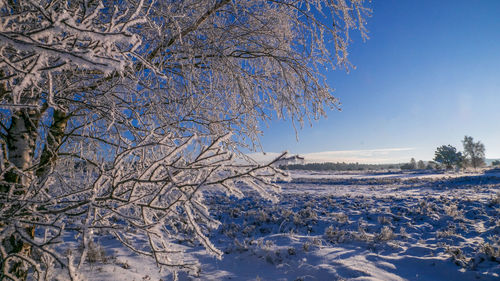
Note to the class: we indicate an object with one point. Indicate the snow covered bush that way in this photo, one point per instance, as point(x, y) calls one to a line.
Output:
point(457, 256)
point(117, 116)
point(495, 199)
point(491, 251)
point(385, 234)
point(335, 235)
point(384, 220)
point(96, 253)
point(452, 210)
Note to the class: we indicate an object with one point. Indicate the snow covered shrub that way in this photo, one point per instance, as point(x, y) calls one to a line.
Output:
point(269, 245)
point(361, 235)
point(458, 256)
point(298, 220)
point(287, 213)
point(402, 233)
point(306, 246)
point(341, 217)
point(335, 235)
point(308, 214)
point(96, 253)
point(385, 234)
point(495, 200)
point(384, 220)
point(491, 251)
point(257, 217)
point(230, 230)
point(235, 212)
point(488, 251)
point(242, 247)
point(123, 264)
point(262, 216)
point(447, 232)
point(248, 230)
point(452, 210)
point(426, 208)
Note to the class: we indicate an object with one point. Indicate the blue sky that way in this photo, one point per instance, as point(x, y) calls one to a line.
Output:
point(429, 75)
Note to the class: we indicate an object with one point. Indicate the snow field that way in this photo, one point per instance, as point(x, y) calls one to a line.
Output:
point(346, 227)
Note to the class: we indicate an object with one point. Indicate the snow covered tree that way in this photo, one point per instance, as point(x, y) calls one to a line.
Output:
point(473, 152)
point(448, 156)
point(431, 165)
point(420, 165)
point(413, 164)
point(117, 117)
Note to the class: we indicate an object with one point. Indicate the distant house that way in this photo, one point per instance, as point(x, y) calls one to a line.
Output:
point(295, 159)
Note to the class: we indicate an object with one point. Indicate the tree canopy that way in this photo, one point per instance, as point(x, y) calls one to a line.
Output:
point(118, 115)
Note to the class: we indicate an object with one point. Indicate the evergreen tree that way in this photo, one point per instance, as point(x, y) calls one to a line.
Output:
point(448, 156)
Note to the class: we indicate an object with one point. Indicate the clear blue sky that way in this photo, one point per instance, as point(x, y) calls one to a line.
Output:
point(429, 75)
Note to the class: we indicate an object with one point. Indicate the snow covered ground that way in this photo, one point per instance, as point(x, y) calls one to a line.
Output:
point(345, 226)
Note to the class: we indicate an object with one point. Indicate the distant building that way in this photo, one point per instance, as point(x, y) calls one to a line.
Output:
point(295, 159)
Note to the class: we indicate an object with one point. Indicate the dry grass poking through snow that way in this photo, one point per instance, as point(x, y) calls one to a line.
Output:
point(345, 227)
point(439, 226)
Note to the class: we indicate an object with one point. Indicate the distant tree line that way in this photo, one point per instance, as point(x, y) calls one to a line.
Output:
point(445, 157)
point(340, 166)
point(448, 157)
point(420, 165)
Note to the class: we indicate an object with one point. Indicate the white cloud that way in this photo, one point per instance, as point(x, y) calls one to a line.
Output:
point(368, 156)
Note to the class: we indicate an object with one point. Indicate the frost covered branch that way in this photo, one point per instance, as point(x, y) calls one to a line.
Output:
point(118, 117)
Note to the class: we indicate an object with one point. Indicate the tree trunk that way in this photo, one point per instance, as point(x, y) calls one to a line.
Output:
point(54, 140)
point(20, 143)
point(21, 139)
point(19, 151)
